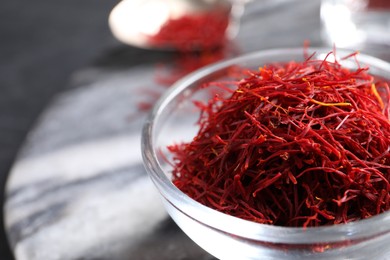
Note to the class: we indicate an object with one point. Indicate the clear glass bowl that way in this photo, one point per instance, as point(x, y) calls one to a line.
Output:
point(173, 120)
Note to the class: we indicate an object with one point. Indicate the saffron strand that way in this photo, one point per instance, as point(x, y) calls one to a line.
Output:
point(295, 144)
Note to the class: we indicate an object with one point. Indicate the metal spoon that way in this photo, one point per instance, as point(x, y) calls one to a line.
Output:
point(134, 21)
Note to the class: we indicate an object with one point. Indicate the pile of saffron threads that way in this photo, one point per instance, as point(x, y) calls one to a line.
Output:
point(297, 144)
point(378, 4)
point(204, 30)
point(199, 39)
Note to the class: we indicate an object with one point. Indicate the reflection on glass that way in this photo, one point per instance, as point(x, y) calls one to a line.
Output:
point(351, 23)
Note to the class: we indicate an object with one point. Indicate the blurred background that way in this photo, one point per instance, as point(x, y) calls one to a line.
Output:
point(41, 44)
point(69, 86)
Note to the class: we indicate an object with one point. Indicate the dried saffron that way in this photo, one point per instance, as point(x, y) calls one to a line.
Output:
point(378, 4)
point(295, 144)
point(183, 64)
point(203, 30)
point(199, 38)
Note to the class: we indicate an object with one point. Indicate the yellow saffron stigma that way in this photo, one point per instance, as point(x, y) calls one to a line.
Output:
point(341, 104)
point(376, 94)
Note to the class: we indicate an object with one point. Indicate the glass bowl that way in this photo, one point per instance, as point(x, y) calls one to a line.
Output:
point(173, 120)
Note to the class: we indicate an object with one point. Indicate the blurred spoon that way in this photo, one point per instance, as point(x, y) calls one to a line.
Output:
point(135, 22)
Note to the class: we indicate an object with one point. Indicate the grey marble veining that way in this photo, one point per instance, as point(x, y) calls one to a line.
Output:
point(80, 116)
point(79, 190)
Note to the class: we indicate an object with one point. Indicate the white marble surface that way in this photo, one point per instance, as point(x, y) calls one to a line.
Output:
point(79, 190)
point(79, 187)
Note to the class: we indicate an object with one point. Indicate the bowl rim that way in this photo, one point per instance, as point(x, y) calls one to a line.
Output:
point(357, 230)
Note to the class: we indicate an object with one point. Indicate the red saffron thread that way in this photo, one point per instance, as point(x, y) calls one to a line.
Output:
point(183, 64)
point(199, 40)
point(378, 4)
point(198, 31)
point(296, 144)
